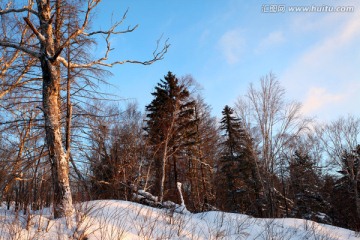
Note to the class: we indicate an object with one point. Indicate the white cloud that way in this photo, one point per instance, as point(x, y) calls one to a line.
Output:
point(231, 45)
point(319, 98)
point(273, 38)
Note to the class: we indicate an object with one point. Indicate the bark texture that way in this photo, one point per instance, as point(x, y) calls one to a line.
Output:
point(51, 107)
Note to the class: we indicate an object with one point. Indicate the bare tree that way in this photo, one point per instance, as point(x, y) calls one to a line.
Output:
point(116, 154)
point(276, 120)
point(45, 42)
point(341, 143)
point(273, 123)
point(12, 74)
point(340, 135)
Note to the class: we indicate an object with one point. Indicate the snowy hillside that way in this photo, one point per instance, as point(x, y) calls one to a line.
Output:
point(126, 220)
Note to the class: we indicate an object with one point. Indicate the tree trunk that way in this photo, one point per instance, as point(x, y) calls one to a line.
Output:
point(204, 190)
point(175, 171)
point(163, 172)
point(165, 157)
point(59, 164)
point(259, 189)
point(51, 107)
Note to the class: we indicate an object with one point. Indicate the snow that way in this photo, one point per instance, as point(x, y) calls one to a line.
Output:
point(115, 219)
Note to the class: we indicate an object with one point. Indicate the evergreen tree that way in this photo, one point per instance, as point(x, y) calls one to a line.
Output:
point(238, 173)
point(170, 128)
point(306, 186)
point(346, 199)
point(233, 133)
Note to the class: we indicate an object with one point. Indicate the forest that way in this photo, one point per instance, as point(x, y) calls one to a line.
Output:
point(63, 141)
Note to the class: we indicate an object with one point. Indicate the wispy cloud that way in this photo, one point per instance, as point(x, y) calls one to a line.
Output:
point(329, 46)
point(319, 98)
point(270, 40)
point(231, 45)
point(331, 65)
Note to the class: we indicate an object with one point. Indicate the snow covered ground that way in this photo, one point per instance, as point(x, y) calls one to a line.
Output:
point(113, 219)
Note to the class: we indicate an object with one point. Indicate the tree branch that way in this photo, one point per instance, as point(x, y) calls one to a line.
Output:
point(112, 29)
point(19, 47)
point(157, 55)
point(91, 5)
point(128, 30)
point(24, 9)
point(35, 31)
point(80, 31)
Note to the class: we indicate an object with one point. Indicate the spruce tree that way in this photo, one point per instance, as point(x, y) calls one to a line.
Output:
point(238, 173)
point(170, 127)
point(306, 186)
point(232, 132)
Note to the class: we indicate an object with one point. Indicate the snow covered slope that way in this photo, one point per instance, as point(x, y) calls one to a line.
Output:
point(113, 219)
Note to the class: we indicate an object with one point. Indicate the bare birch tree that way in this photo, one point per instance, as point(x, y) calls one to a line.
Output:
point(276, 120)
point(40, 35)
point(273, 122)
point(341, 143)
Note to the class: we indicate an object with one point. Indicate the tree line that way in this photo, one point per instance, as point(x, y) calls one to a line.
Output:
point(266, 161)
point(63, 140)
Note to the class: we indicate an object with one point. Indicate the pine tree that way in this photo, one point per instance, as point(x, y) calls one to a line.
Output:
point(170, 127)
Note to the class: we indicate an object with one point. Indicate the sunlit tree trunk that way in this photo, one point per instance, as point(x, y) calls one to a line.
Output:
point(51, 107)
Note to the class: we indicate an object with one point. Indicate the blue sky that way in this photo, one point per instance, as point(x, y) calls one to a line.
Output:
point(227, 44)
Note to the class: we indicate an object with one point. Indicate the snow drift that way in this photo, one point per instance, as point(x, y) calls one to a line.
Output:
point(114, 219)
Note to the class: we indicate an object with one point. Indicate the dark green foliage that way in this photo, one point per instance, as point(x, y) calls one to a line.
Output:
point(170, 130)
point(239, 187)
point(170, 110)
point(233, 133)
point(306, 185)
